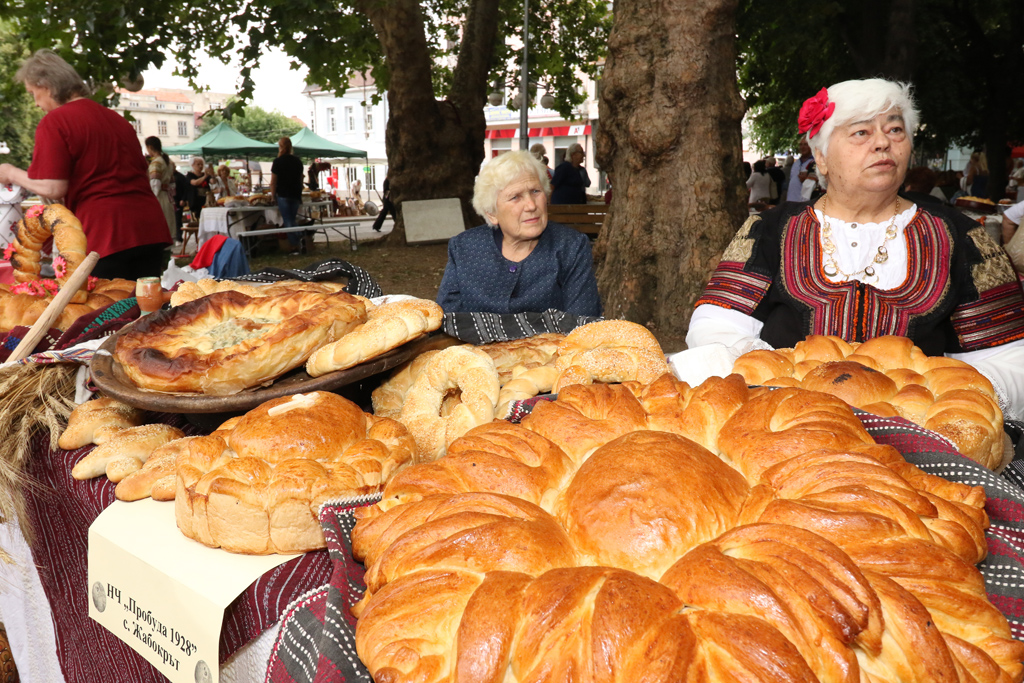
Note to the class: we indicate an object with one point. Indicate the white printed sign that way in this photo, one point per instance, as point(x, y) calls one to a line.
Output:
point(162, 593)
point(577, 130)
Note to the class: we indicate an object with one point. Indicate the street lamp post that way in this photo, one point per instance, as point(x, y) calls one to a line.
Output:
point(524, 82)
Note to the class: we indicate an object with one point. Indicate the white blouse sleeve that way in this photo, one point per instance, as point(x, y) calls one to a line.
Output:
point(1004, 366)
point(713, 324)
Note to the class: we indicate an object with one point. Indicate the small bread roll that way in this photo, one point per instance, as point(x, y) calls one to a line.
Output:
point(103, 415)
point(125, 452)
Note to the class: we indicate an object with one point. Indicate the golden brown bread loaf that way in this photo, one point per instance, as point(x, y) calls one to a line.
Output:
point(229, 341)
point(463, 369)
point(387, 327)
point(96, 421)
point(23, 303)
point(889, 376)
point(124, 452)
point(69, 245)
point(525, 368)
point(609, 351)
point(743, 535)
point(190, 291)
point(255, 487)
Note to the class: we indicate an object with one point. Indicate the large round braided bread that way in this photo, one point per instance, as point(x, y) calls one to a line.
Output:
point(663, 533)
point(891, 377)
point(254, 486)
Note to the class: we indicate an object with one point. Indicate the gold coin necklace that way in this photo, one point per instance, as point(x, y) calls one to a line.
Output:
point(831, 267)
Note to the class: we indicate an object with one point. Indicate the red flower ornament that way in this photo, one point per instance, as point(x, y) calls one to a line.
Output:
point(814, 112)
point(9, 251)
point(59, 266)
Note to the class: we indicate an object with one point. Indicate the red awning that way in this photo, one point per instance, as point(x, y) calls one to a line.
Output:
point(558, 131)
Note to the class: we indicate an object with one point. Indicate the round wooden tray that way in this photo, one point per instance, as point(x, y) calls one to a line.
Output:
point(111, 379)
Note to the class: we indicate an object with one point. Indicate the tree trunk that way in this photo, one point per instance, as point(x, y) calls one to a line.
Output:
point(670, 132)
point(434, 146)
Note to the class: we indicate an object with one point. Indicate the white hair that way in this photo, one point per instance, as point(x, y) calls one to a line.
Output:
point(499, 173)
point(863, 100)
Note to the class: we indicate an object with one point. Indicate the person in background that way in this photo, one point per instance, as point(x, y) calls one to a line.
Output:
point(760, 185)
point(161, 178)
point(778, 177)
point(976, 175)
point(862, 261)
point(519, 261)
point(1011, 221)
point(919, 186)
point(1016, 184)
point(224, 185)
point(799, 173)
point(355, 199)
point(387, 206)
point(181, 190)
point(538, 150)
point(567, 184)
point(312, 175)
point(89, 156)
point(286, 189)
point(199, 184)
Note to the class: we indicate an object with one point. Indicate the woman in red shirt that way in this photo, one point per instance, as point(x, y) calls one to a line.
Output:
point(91, 157)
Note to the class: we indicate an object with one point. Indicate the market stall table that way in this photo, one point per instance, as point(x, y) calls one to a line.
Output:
point(214, 220)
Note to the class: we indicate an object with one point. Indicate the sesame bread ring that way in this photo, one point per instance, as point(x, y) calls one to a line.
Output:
point(609, 351)
point(455, 369)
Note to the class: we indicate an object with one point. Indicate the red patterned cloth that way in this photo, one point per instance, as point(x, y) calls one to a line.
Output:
point(317, 639)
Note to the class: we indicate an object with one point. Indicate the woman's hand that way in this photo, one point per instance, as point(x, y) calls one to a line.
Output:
point(7, 173)
point(46, 188)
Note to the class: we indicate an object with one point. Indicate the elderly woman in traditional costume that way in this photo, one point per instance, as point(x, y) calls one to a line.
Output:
point(862, 261)
point(518, 262)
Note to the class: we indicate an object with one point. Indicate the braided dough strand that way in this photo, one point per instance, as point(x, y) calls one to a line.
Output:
point(387, 327)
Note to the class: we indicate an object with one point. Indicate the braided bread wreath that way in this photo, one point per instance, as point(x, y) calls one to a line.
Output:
point(891, 377)
point(69, 245)
point(255, 486)
point(228, 341)
point(666, 533)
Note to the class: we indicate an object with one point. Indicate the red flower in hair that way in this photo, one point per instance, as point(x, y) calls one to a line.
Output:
point(814, 112)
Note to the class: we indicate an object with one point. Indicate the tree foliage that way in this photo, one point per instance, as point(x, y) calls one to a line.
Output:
point(18, 114)
point(962, 56)
point(110, 40)
point(254, 122)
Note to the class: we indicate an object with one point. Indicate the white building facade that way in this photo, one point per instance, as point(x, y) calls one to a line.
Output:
point(551, 129)
point(355, 121)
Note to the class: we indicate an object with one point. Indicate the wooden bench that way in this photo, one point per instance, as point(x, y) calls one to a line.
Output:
point(587, 218)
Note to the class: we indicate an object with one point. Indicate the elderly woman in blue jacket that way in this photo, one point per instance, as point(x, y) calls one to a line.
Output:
point(519, 262)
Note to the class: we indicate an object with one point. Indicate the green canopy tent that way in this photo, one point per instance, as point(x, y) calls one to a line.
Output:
point(223, 141)
point(306, 143)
